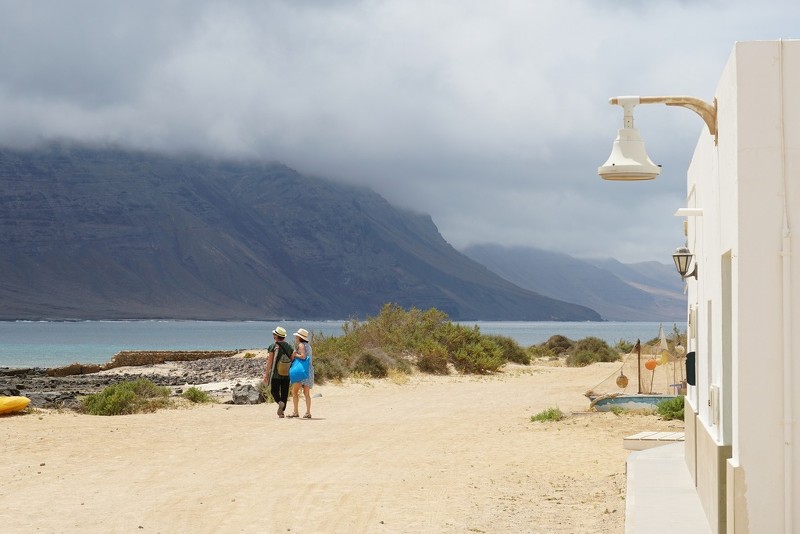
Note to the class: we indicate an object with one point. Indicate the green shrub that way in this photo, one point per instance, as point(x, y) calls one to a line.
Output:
point(111, 401)
point(433, 359)
point(146, 389)
point(196, 395)
point(482, 356)
point(671, 408)
point(550, 414)
point(453, 336)
point(402, 365)
point(581, 359)
point(559, 344)
point(540, 351)
point(399, 338)
point(510, 350)
point(265, 392)
point(338, 350)
point(590, 350)
point(124, 398)
point(370, 365)
point(603, 352)
point(624, 346)
point(327, 367)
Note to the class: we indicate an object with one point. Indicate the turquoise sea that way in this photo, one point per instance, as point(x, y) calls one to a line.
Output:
point(53, 344)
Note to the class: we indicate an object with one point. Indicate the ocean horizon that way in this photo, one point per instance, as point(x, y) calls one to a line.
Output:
point(59, 343)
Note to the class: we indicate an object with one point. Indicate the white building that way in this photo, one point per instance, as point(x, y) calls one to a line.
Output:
point(742, 446)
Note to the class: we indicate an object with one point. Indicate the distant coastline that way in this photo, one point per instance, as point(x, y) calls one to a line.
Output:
point(59, 343)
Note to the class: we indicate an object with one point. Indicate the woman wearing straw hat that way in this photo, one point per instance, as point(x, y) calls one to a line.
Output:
point(302, 352)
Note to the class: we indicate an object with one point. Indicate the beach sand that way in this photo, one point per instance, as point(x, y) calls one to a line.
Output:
point(435, 454)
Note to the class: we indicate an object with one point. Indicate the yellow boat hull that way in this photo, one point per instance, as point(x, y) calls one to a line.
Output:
point(13, 404)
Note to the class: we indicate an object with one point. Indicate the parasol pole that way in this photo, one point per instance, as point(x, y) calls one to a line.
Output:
point(664, 355)
point(639, 365)
point(674, 371)
point(652, 377)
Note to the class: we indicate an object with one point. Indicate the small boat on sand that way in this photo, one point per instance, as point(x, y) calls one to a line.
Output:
point(632, 401)
point(658, 376)
point(13, 404)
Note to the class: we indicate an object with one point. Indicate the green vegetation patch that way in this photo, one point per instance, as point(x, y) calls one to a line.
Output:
point(396, 340)
point(550, 414)
point(579, 353)
point(197, 395)
point(590, 350)
point(671, 408)
point(624, 346)
point(558, 344)
point(370, 365)
point(265, 391)
point(139, 396)
point(510, 349)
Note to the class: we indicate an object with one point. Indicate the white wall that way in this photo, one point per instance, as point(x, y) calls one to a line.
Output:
point(741, 185)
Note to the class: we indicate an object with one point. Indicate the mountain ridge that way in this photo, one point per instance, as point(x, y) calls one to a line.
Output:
point(646, 291)
point(109, 233)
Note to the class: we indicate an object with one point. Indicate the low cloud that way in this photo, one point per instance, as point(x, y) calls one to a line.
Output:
point(491, 117)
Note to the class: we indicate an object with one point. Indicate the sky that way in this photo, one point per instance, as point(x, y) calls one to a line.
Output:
point(491, 117)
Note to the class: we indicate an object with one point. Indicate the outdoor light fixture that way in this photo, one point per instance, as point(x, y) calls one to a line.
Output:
point(629, 159)
point(683, 259)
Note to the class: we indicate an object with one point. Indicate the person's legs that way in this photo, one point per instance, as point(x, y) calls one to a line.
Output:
point(284, 390)
point(307, 394)
point(275, 389)
point(295, 397)
point(281, 394)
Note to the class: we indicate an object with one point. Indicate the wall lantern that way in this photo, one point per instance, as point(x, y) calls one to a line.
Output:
point(683, 259)
point(629, 160)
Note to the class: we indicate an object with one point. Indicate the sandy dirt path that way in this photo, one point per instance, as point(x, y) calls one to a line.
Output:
point(436, 454)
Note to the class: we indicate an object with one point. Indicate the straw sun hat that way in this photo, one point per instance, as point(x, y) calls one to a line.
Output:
point(280, 331)
point(302, 333)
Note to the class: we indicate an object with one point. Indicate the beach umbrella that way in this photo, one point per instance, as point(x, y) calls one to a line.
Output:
point(662, 339)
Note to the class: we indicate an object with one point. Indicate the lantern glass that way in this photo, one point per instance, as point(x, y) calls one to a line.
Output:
point(682, 259)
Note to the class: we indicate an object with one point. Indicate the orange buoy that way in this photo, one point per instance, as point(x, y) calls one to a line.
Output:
point(650, 365)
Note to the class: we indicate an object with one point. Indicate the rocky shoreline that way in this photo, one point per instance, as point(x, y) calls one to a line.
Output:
point(49, 388)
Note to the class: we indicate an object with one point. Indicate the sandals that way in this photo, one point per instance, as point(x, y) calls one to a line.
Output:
point(307, 416)
point(293, 415)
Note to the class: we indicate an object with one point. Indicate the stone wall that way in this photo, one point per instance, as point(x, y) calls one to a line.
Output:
point(74, 369)
point(151, 357)
point(135, 358)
